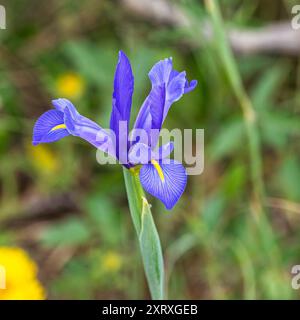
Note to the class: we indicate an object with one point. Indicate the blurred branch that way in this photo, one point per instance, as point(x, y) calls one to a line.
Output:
point(224, 51)
point(43, 208)
point(277, 38)
point(284, 205)
point(56, 260)
point(26, 81)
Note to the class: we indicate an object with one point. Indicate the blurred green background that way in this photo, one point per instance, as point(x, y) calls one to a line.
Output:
point(234, 234)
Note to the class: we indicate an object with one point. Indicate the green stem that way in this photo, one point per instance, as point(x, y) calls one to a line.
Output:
point(135, 193)
point(250, 120)
point(249, 114)
point(147, 234)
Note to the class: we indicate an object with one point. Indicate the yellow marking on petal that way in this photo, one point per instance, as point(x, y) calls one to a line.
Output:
point(59, 126)
point(159, 170)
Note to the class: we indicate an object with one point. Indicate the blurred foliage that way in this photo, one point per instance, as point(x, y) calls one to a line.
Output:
point(214, 244)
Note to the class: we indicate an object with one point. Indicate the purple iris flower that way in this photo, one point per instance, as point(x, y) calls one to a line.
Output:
point(165, 180)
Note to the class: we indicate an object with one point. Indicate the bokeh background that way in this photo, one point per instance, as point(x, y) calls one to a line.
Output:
point(236, 231)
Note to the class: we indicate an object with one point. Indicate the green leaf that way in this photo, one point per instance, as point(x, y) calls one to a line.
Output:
point(147, 234)
point(278, 127)
point(105, 218)
point(70, 232)
point(266, 88)
point(225, 141)
point(288, 178)
point(212, 212)
point(134, 195)
point(152, 253)
point(94, 62)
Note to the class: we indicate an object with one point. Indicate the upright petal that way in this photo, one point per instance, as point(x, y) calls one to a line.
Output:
point(150, 117)
point(160, 72)
point(49, 127)
point(164, 151)
point(190, 86)
point(122, 95)
point(141, 153)
point(164, 181)
point(175, 83)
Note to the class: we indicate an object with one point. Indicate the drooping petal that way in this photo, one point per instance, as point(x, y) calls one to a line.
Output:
point(61, 104)
point(88, 130)
point(49, 127)
point(164, 181)
point(122, 96)
point(65, 120)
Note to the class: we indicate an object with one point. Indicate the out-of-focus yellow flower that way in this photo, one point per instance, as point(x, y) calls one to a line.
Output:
point(70, 85)
point(19, 275)
point(43, 158)
point(111, 261)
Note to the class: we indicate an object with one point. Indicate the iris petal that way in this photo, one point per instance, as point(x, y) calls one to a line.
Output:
point(163, 151)
point(169, 187)
point(175, 83)
point(189, 86)
point(65, 120)
point(88, 130)
point(160, 72)
point(122, 96)
point(62, 104)
point(151, 115)
point(83, 127)
point(49, 127)
point(141, 153)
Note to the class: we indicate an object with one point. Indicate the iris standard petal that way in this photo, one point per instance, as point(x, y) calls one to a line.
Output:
point(49, 127)
point(175, 84)
point(150, 117)
point(141, 153)
point(175, 90)
point(122, 95)
point(160, 72)
point(164, 181)
point(163, 151)
point(189, 86)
